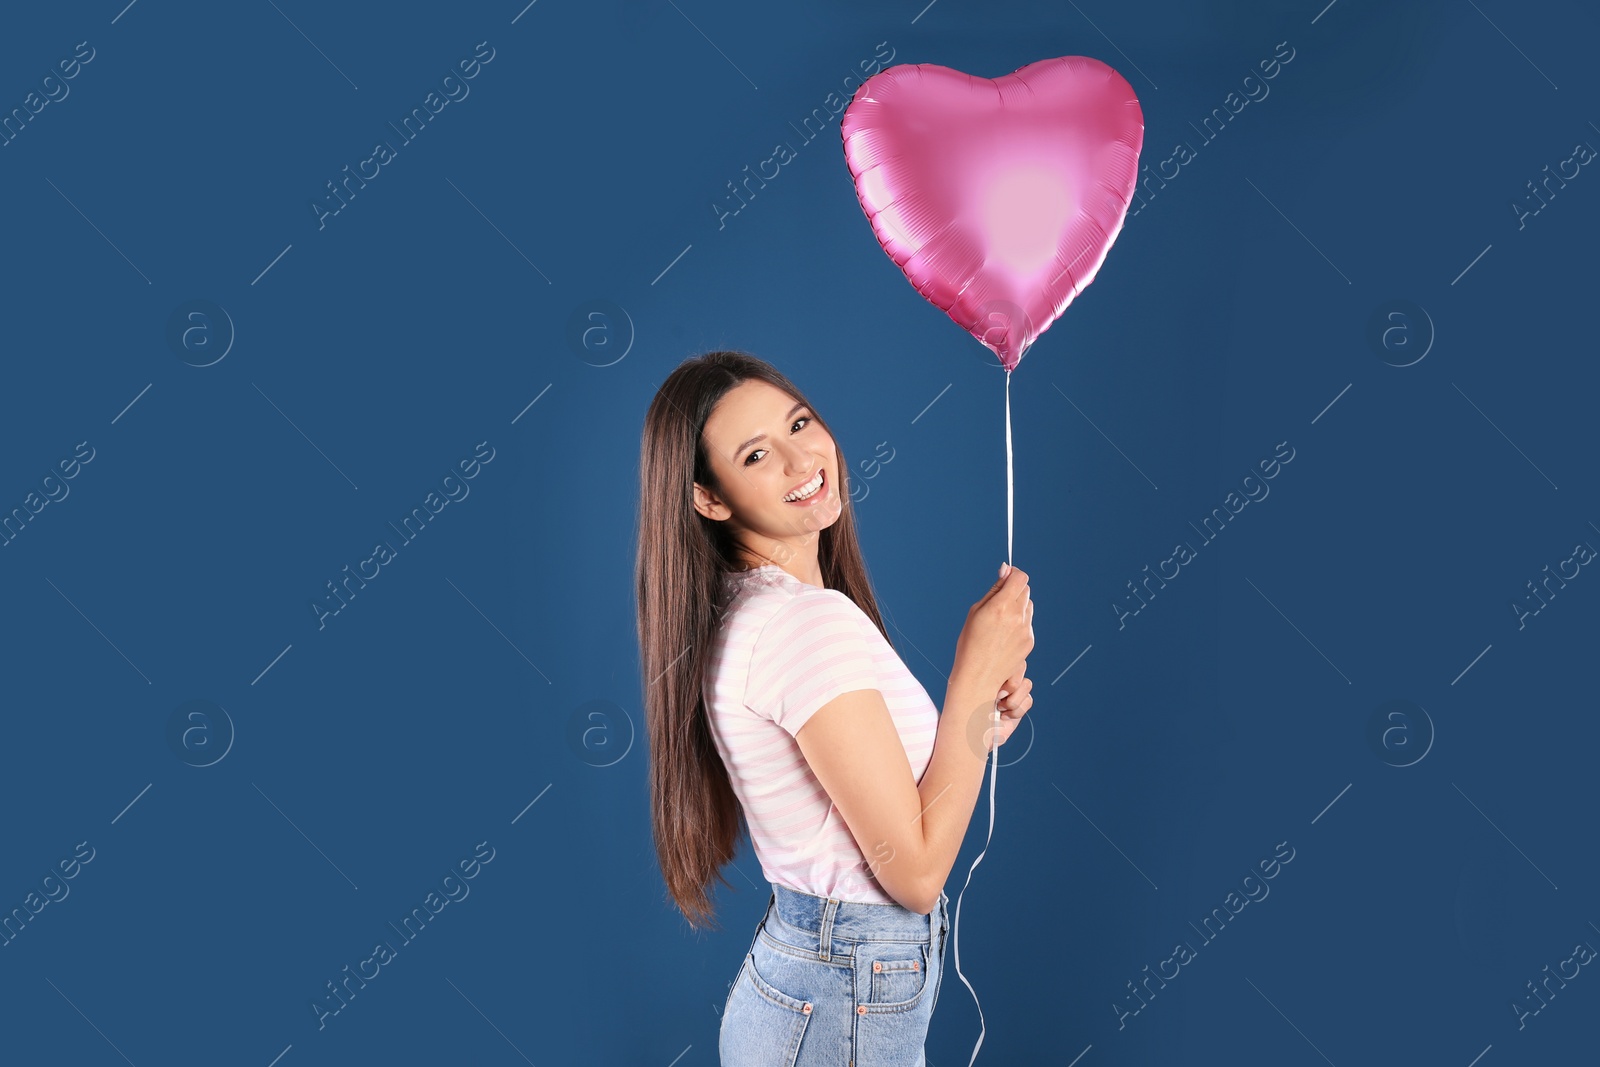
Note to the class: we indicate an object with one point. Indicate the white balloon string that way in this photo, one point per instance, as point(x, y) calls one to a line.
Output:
point(1008, 466)
point(994, 762)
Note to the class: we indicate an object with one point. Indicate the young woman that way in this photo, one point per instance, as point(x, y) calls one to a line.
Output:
point(773, 693)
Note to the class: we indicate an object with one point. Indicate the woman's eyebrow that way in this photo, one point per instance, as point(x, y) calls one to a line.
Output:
point(761, 436)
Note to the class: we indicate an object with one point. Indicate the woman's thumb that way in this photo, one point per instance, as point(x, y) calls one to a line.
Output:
point(1005, 569)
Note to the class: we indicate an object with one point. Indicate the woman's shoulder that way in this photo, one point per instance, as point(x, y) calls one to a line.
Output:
point(809, 611)
point(774, 607)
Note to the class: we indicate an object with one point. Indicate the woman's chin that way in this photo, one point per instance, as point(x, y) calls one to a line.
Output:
point(818, 518)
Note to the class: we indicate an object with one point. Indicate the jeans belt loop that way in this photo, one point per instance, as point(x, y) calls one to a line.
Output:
point(825, 935)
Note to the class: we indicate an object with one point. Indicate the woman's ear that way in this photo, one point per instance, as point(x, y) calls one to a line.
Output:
point(707, 504)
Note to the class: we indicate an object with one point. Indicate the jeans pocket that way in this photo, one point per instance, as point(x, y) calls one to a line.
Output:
point(763, 1024)
point(899, 976)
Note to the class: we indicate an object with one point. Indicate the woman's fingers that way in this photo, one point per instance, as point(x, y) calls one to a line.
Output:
point(1009, 720)
point(1014, 682)
point(1018, 694)
point(1017, 685)
point(1015, 709)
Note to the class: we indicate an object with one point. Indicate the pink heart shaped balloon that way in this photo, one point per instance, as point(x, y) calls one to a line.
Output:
point(998, 198)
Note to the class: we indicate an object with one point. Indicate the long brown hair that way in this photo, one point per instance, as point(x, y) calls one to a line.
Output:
point(680, 561)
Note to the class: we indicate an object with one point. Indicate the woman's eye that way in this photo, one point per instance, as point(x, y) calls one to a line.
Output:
point(751, 457)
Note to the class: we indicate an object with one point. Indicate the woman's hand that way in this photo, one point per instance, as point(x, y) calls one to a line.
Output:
point(998, 634)
point(1015, 698)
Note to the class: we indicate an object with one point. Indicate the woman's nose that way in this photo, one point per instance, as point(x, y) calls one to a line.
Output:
point(797, 461)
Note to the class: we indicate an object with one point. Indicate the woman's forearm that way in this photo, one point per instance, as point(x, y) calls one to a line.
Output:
point(953, 779)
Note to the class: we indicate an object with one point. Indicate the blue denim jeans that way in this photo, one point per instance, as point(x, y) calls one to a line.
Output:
point(835, 983)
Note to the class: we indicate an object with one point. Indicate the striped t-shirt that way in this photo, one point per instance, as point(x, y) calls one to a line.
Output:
point(783, 650)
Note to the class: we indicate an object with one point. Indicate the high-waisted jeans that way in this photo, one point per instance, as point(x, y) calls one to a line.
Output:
point(835, 983)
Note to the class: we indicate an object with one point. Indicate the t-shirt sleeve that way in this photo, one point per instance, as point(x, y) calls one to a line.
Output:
point(812, 650)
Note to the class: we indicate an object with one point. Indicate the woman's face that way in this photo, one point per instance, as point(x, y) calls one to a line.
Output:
point(763, 447)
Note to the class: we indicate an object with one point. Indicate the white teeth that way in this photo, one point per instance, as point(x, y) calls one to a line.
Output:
point(816, 483)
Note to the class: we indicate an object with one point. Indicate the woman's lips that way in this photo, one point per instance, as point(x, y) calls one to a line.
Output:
point(823, 490)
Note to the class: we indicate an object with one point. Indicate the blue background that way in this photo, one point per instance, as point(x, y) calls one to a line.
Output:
point(1441, 859)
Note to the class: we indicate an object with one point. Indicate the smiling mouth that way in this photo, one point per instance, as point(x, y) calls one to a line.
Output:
point(816, 485)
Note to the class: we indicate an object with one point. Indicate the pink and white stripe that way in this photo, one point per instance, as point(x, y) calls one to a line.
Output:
point(783, 651)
